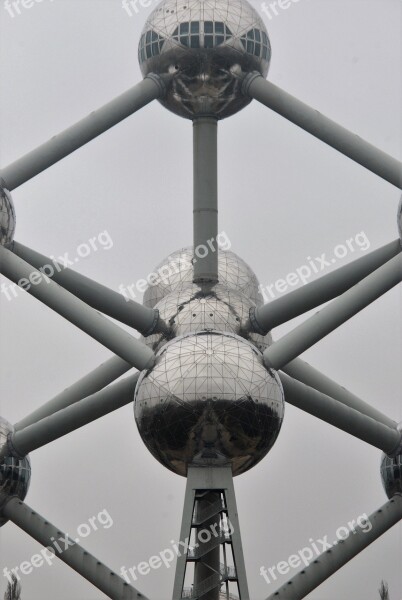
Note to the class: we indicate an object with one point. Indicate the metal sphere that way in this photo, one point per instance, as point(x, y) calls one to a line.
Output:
point(15, 473)
point(391, 473)
point(209, 46)
point(7, 217)
point(209, 392)
point(176, 272)
point(202, 307)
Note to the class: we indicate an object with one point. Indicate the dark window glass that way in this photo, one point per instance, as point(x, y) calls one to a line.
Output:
point(184, 28)
point(149, 53)
point(265, 38)
point(257, 35)
point(257, 51)
point(195, 27)
point(184, 40)
point(161, 42)
point(148, 38)
point(154, 36)
point(208, 41)
point(219, 28)
point(208, 27)
point(227, 31)
point(195, 41)
point(155, 49)
point(142, 54)
point(250, 34)
point(219, 39)
point(250, 47)
point(265, 52)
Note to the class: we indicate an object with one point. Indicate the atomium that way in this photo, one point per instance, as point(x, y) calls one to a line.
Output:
point(15, 473)
point(209, 391)
point(391, 473)
point(209, 47)
point(202, 307)
point(176, 272)
point(7, 217)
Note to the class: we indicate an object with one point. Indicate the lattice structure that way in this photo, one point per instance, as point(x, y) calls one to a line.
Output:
point(211, 385)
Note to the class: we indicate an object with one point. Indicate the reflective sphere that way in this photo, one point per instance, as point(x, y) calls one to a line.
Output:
point(391, 473)
point(202, 307)
point(7, 217)
point(209, 391)
point(209, 46)
point(176, 272)
point(15, 474)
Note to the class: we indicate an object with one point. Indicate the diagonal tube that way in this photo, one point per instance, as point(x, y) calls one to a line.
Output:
point(334, 558)
point(339, 415)
point(69, 419)
point(329, 132)
point(335, 314)
point(73, 555)
point(91, 383)
point(98, 296)
point(302, 371)
point(328, 287)
point(75, 311)
point(69, 140)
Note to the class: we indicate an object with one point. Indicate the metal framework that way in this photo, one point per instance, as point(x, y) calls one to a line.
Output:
point(210, 498)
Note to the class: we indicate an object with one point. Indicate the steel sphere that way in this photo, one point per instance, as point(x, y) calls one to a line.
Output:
point(209, 46)
point(176, 272)
point(7, 217)
point(15, 473)
point(209, 392)
point(202, 307)
point(391, 473)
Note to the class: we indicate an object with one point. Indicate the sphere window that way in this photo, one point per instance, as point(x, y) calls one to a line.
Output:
point(256, 42)
point(189, 34)
point(151, 44)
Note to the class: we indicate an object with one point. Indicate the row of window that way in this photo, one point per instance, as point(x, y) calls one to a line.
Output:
point(214, 34)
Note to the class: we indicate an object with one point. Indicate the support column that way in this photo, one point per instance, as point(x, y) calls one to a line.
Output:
point(205, 199)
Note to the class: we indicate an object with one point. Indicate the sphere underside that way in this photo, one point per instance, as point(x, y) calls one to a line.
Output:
point(209, 391)
point(208, 46)
point(176, 272)
point(206, 307)
point(7, 218)
point(15, 474)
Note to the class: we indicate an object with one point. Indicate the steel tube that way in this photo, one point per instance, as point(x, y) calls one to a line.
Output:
point(333, 559)
point(96, 380)
point(69, 419)
point(329, 132)
point(98, 296)
point(81, 133)
point(75, 311)
point(302, 371)
point(322, 290)
point(205, 142)
point(339, 415)
point(73, 555)
point(335, 314)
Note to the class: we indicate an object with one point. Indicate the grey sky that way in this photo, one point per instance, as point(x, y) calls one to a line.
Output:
point(283, 197)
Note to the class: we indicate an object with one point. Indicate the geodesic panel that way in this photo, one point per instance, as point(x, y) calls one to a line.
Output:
point(209, 47)
point(176, 272)
point(15, 473)
point(206, 307)
point(209, 390)
point(7, 217)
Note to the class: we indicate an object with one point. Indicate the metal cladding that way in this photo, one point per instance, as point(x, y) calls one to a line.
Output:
point(176, 272)
point(209, 46)
point(391, 473)
point(15, 473)
point(200, 307)
point(209, 392)
point(7, 217)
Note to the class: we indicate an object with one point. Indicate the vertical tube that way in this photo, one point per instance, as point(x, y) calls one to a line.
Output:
point(205, 199)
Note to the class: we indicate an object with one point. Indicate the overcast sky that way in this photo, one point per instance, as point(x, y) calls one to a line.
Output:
point(284, 196)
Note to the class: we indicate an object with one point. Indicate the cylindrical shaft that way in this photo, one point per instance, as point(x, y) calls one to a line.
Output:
point(205, 199)
point(75, 311)
point(96, 380)
point(345, 418)
point(98, 296)
point(75, 416)
point(81, 133)
point(302, 371)
point(56, 543)
point(322, 290)
point(335, 314)
point(324, 129)
point(333, 559)
point(209, 564)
